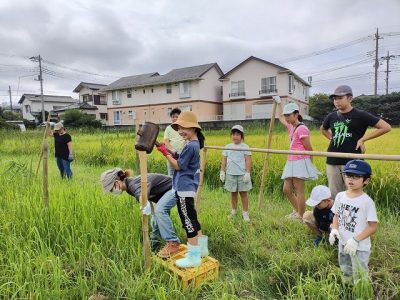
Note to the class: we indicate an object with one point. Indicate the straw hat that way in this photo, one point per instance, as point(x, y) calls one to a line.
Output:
point(187, 119)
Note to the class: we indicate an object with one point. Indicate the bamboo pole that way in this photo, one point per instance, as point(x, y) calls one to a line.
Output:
point(266, 159)
point(137, 161)
point(203, 155)
point(45, 133)
point(143, 201)
point(385, 157)
point(45, 173)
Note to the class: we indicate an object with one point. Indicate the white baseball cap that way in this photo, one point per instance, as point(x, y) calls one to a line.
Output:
point(238, 127)
point(319, 193)
point(290, 108)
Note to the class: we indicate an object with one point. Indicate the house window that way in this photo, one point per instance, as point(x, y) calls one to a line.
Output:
point(186, 107)
point(129, 93)
point(152, 90)
point(169, 109)
point(27, 109)
point(237, 89)
point(131, 114)
point(103, 116)
point(268, 85)
point(169, 88)
point(87, 98)
point(184, 90)
point(117, 117)
point(291, 84)
point(116, 97)
point(144, 91)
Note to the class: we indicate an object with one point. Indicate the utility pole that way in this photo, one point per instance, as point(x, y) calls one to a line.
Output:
point(39, 59)
point(388, 58)
point(9, 91)
point(376, 64)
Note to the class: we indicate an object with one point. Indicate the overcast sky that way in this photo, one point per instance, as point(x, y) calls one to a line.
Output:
point(100, 41)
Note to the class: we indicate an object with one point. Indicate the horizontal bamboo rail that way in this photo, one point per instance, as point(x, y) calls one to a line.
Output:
point(315, 153)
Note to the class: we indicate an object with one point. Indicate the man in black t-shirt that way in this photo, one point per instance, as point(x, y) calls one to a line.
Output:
point(345, 128)
point(63, 150)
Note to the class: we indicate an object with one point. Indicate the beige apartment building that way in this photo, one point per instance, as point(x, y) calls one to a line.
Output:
point(249, 87)
point(151, 97)
point(91, 101)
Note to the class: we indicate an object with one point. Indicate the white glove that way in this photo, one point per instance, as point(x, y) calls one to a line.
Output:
point(147, 209)
point(277, 99)
point(351, 247)
point(333, 236)
point(246, 177)
point(222, 176)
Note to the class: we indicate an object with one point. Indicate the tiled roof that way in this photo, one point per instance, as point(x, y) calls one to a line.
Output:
point(93, 86)
point(176, 75)
point(47, 98)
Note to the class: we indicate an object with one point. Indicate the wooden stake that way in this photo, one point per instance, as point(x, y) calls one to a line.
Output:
point(45, 133)
point(203, 156)
point(45, 173)
point(266, 159)
point(143, 201)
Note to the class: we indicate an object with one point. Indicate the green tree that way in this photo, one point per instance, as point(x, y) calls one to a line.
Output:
point(320, 106)
point(76, 118)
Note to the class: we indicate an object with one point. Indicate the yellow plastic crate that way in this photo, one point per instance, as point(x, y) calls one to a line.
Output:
point(208, 270)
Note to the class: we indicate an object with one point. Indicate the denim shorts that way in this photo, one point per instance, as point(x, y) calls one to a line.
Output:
point(353, 267)
point(234, 183)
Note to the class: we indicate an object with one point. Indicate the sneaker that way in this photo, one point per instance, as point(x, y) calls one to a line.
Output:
point(169, 249)
point(246, 217)
point(233, 214)
point(317, 240)
point(292, 215)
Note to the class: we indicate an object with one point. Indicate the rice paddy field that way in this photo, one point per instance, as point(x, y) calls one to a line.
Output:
point(88, 243)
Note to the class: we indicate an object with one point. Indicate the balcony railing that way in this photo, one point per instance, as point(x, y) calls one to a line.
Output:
point(237, 94)
point(267, 91)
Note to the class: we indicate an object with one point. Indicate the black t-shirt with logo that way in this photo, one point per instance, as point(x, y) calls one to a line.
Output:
point(324, 218)
point(60, 145)
point(347, 129)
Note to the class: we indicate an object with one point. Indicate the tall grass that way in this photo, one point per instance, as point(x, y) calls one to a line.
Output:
point(89, 243)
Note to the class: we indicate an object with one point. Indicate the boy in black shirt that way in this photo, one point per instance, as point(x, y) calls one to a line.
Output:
point(320, 219)
point(345, 128)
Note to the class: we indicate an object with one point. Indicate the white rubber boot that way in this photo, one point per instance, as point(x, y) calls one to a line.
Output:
point(203, 243)
point(192, 258)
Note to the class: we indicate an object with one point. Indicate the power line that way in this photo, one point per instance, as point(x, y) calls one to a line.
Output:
point(78, 70)
point(363, 61)
point(323, 51)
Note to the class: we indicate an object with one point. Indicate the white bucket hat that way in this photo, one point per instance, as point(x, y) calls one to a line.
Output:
point(319, 193)
point(238, 127)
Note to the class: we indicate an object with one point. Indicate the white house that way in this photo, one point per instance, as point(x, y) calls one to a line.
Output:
point(89, 94)
point(32, 104)
point(249, 87)
point(151, 96)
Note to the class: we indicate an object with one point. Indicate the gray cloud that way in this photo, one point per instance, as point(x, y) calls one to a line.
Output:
point(131, 37)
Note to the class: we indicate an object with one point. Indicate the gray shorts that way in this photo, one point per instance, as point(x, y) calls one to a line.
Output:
point(234, 183)
point(353, 267)
point(335, 179)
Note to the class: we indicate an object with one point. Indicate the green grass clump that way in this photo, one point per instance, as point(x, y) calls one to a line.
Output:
point(88, 242)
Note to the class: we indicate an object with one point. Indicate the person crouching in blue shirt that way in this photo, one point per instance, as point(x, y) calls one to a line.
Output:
point(320, 219)
point(185, 182)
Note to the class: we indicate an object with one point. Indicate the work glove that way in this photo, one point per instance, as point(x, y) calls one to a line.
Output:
point(222, 176)
point(351, 247)
point(277, 99)
point(246, 177)
point(70, 157)
point(333, 236)
point(147, 209)
point(163, 149)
